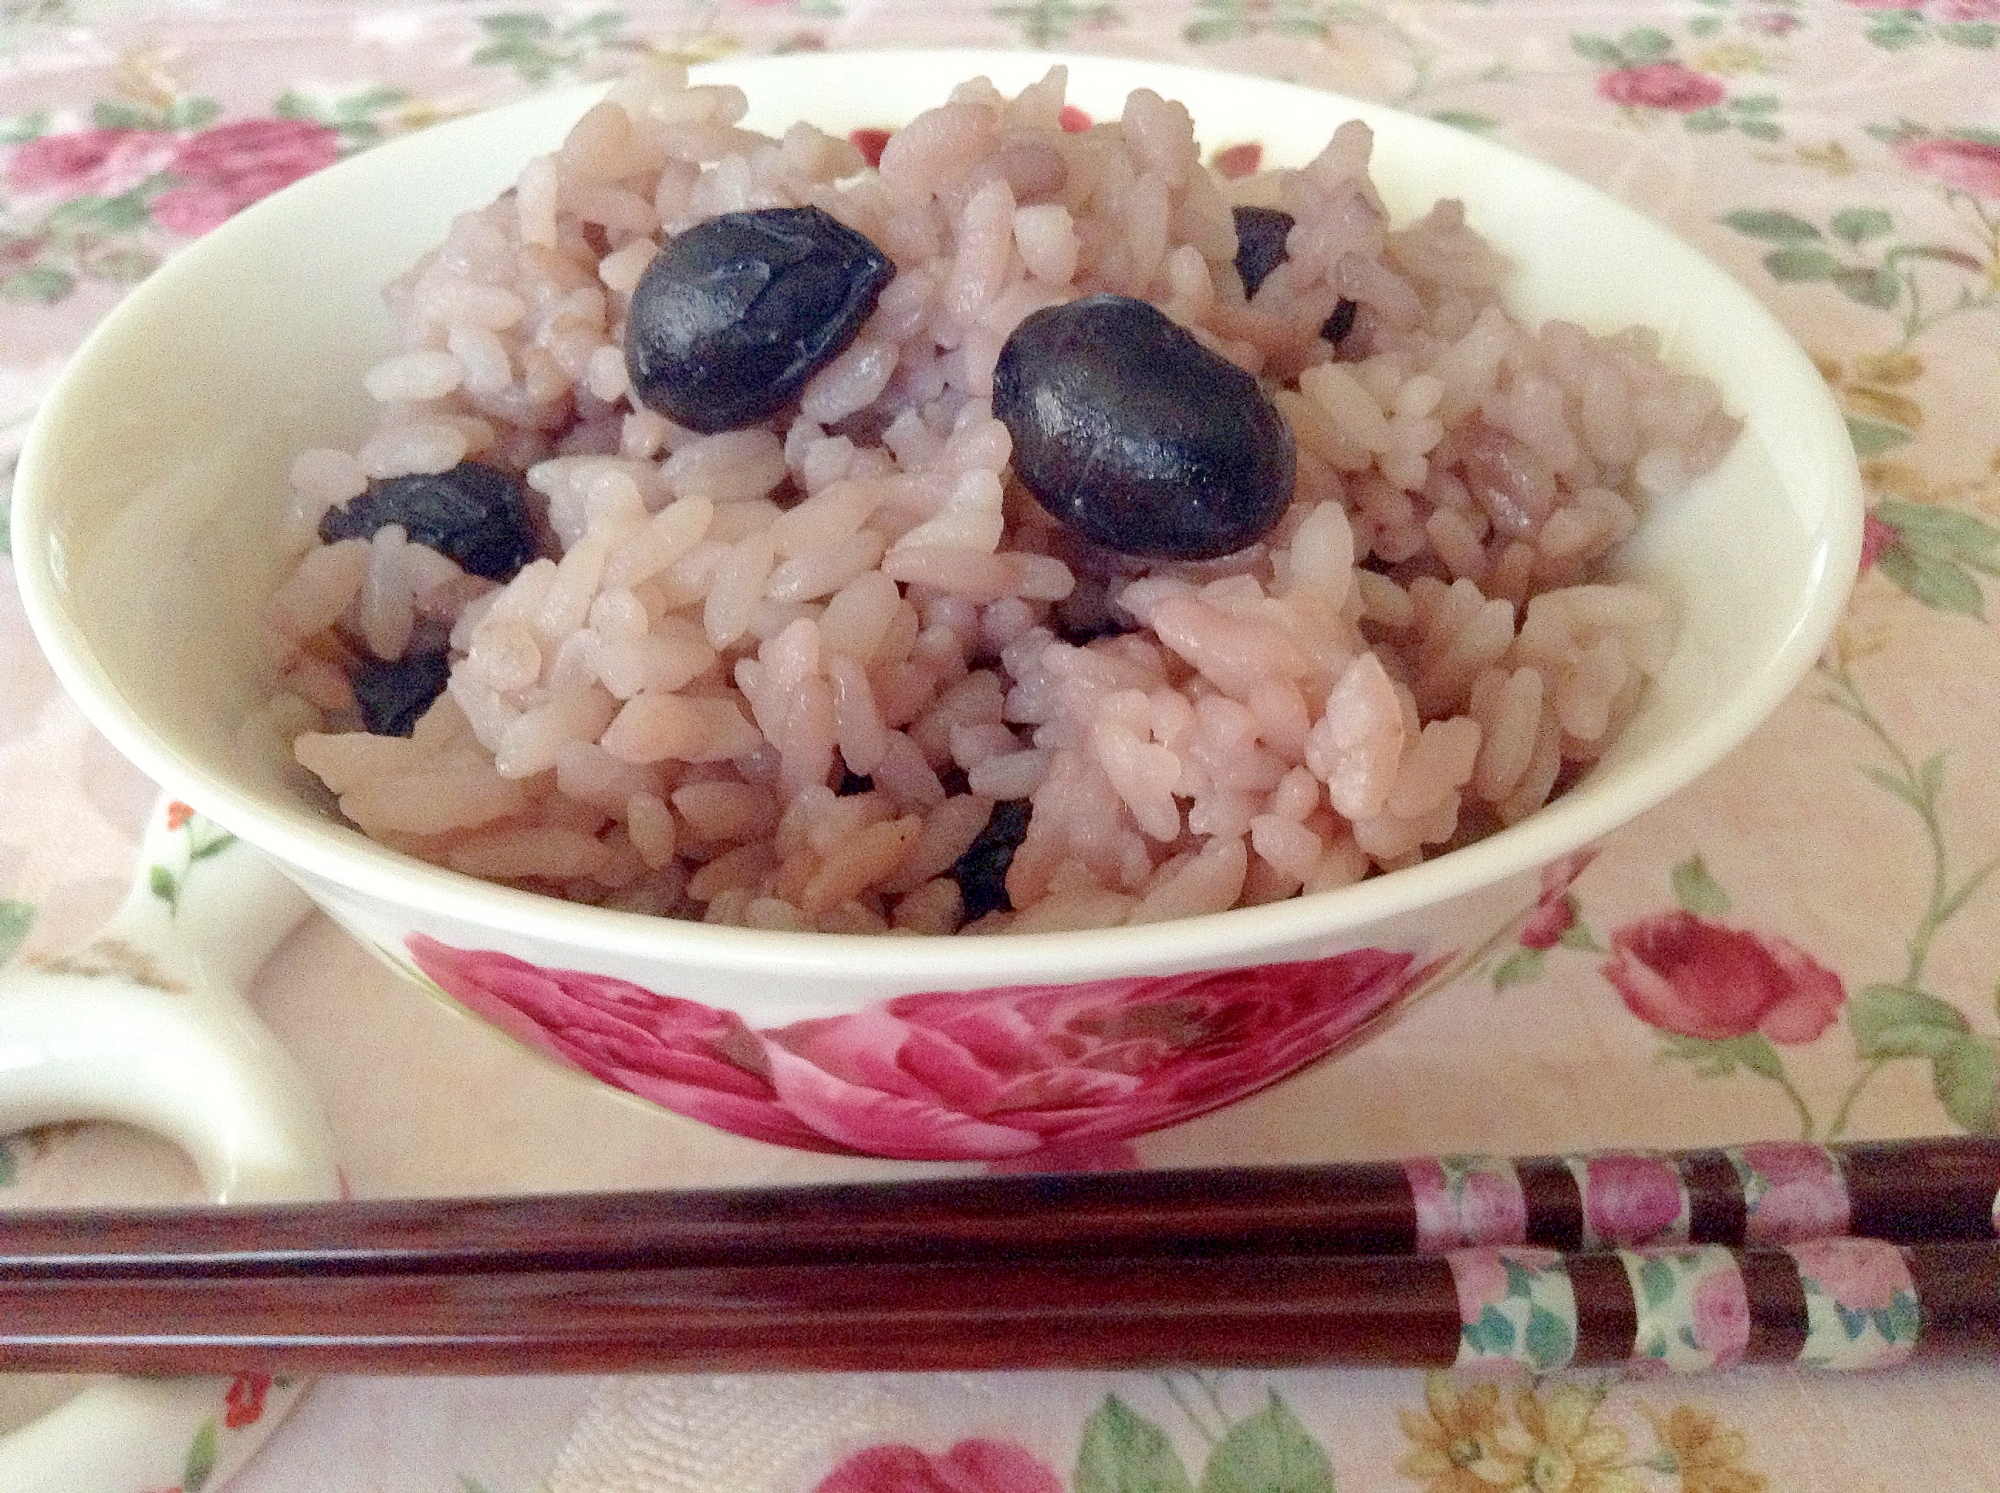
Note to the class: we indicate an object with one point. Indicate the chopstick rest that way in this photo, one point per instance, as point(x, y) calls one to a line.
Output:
point(1839, 1304)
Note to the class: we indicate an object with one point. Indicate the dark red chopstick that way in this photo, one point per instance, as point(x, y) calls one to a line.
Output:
point(1907, 1191)
point(1529, 1308)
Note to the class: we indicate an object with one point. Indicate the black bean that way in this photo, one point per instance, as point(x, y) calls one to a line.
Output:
point(1340, 323)
point(1260, 243)
point(734, 315)
point(473, 513)
point(1260, 248)
point(394, 694)
point(981, 873)
point(1136, 436)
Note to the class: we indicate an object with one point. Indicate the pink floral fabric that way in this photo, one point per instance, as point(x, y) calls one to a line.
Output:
point(1661, 85)
point(225, 169)
point(993, 1075)
point(1685, 974)
point(970, 1466)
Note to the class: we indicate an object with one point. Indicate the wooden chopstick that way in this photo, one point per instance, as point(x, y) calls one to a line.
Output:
point(1907, 1191)
point(1532, 1308)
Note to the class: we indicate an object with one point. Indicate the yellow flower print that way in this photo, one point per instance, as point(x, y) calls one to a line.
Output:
point(1563, 1448)
point(1454, 1446)
point(1728, 58)
point(1708, 1454)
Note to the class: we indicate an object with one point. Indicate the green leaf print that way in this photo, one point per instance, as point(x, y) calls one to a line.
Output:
point(1797, 262)
point(1492, 1333)
point(1964, 1076)
point(1596, 49)
point(1697, 891)
point(1645, 44)
point(1873, 437)
point(16, 918)
point(1878, 288)
point(200, 1459)
point(1469, 120)
point(1771, 225)
point(1519, 967)
point(1548, 1339)
point(37, 285)
point(1941, 530)
point(1981, 35)
point(1123, 1452)
point(1270, 1452)
point(1045, 23)
point(1938, 583)
point(164, 885)
point(1720, 1058)
point(1656, 1282)
point(1859, 224)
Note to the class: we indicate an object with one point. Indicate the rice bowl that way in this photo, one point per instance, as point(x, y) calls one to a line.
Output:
point(172, 436)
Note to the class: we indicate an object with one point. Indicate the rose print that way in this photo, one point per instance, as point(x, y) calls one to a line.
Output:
point(1722, 1317)
point(244, 1404)
point(1480, 1276)
point(1630, 1200)
point(1863, 1275)
point(1661, 85)
point(1796, 1192)
point(89, 163)
point(1696, 978)
point(1970, 166)
point(972, 1466)
point(1464, 1202)
point(1555, 912)
point(1876, 536)
point(225, 169)
point(943, 1075)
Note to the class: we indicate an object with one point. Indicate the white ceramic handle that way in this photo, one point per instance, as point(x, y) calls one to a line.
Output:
point(147, 1025)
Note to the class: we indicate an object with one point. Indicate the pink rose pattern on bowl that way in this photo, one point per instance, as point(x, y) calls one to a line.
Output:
point(1042, 1075)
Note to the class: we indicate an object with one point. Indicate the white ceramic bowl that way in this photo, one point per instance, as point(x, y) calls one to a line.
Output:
point(149, 493)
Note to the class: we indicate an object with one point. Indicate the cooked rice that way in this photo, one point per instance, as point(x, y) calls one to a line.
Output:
point(656, 714)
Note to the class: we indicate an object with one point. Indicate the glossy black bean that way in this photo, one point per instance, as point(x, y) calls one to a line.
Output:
point(981, 873)
point(734, 315)
point(1136, 436)
point(1260, 243)
point(473, 513)
point(394, 694)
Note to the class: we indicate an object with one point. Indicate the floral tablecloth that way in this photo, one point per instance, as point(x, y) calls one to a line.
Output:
point(1805, 944)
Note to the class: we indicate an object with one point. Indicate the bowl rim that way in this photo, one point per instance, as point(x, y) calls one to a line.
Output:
point(317, 848)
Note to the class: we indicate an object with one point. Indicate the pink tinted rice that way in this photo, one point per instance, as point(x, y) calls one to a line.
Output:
point(655, 714)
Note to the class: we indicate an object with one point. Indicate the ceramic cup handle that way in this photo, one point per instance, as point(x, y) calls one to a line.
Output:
point(147, 1025)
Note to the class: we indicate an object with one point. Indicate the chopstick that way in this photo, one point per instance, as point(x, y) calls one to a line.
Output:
point(1925, 1191)
point(1535, 1309)
point(1419, 1264)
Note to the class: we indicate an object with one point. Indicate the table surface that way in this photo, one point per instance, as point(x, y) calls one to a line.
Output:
point(1841, 159)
